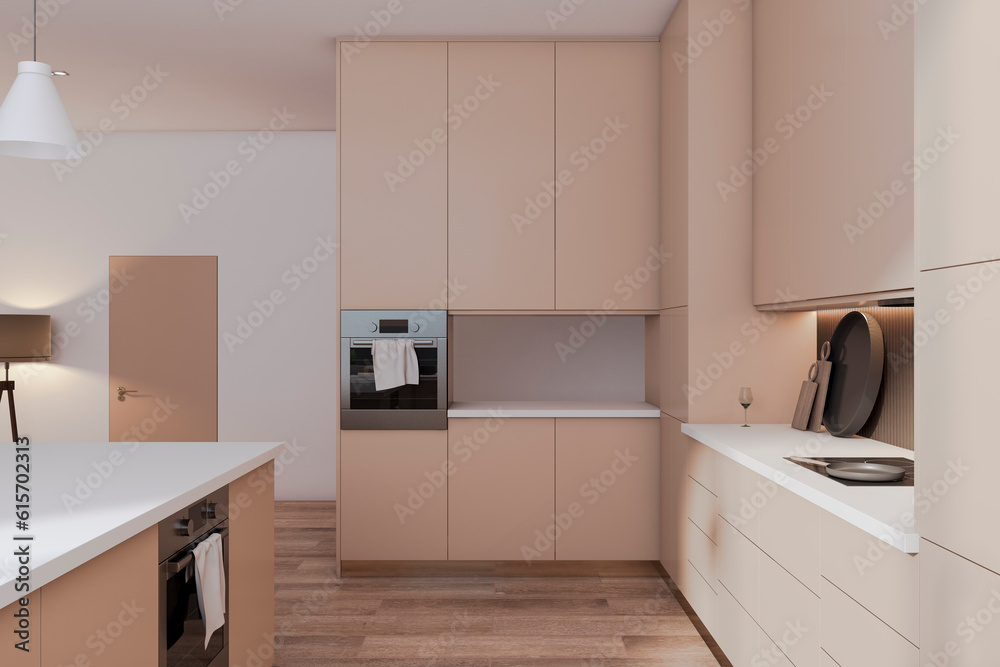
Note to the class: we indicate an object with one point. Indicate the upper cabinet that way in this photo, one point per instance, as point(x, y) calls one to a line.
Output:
point(393, 139)
point(957, 132)
point(832, 152)
point(501, 230)
point(608, 164)
point(500, 176)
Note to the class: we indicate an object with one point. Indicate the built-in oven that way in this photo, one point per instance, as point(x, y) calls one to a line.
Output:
point(421, 406)
point(182, 630)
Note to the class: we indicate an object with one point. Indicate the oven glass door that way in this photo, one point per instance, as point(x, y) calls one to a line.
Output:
point(364, 396)
point(185, 629)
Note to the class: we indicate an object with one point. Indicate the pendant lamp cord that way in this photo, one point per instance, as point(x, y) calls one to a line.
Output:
point(35, 40)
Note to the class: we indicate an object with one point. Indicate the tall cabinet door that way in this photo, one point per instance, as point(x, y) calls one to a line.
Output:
point(958, 316)
point(607, 154)
point(394, 187)
point(501, 209)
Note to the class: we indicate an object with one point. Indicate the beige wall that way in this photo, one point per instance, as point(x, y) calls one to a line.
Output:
point(278, 381)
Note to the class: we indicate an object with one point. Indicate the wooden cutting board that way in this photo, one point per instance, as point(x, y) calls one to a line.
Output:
point(807, 396)
point(825, 368)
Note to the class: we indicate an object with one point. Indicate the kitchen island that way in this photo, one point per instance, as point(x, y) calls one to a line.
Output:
point(87, 548)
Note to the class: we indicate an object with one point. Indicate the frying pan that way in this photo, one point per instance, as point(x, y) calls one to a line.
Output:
point(860, 471)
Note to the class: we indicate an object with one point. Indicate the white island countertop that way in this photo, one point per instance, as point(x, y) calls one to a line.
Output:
point(886, 512)
point(540, 409)
point(87, 498)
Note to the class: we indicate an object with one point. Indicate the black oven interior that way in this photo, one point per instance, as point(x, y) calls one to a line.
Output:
point(364, 396)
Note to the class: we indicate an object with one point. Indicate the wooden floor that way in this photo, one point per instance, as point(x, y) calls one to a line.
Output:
point(598, 620)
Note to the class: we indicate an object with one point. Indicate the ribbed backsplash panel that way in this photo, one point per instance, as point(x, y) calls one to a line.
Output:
point(892, 418)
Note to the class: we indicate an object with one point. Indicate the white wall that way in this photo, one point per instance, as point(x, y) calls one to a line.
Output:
point(124, 199)
point(554, 358)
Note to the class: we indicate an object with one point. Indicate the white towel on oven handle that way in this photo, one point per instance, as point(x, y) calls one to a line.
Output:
point(210, 580)
point(395, 363)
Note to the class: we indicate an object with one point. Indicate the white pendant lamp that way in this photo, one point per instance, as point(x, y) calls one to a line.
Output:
point(33, 120)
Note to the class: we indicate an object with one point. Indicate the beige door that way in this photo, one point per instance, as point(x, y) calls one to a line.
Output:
point(501, 208)
point(393, 134)
point(164, 349)
point(608, 154)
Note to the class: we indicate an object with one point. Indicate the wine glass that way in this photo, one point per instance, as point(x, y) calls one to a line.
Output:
point(746, 398)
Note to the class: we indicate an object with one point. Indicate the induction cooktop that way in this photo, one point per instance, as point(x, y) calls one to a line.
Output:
point(905, 464)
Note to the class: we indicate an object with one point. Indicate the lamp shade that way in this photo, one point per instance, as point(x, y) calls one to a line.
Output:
point(25, 337)
point(33, 120)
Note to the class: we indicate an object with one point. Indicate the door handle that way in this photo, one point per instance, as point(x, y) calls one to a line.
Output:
point(122, 391)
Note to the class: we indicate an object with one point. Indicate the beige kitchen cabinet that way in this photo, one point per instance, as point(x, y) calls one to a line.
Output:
point(957, 132)
point(737, 634)
point(833, 131)
point(958, 611)
point(608, 160)
point(393, 138)
point(118, 594)
point(501, 175)
point(607, 489)
point(854, 637)
point(790, 532)
point(251, 565)
point(958, 314)
point(394, 495)
point(789, 614)
point(673, 510)
point(880, 578)
point(501, 495)
point(739, 568)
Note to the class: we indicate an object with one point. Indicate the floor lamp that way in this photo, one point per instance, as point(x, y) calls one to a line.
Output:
point(22, 338)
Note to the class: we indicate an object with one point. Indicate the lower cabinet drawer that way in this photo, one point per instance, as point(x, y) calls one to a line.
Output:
point(769, 654)
point(702, 598)
point(826, 661)
point(790, 534)
point(739, 568)
point(702, 507)
point(882, 579)
point(702, 553)
point(738, 636)
point(789, 614)
point(854, 637)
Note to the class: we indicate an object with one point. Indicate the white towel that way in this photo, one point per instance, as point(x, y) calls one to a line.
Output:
point(210, 579)
point(395, 363)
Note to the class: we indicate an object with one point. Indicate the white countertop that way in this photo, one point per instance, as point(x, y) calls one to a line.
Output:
point(518, 409)
point(886, 512)
point(83, 504)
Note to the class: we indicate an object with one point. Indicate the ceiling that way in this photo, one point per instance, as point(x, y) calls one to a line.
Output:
point(226, 64)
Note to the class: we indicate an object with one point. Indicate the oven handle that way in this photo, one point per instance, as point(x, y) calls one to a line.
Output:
point(179, 566)
point(429, 342)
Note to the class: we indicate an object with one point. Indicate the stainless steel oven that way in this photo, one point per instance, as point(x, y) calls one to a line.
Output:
point(182, 631)
point(423, 406)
